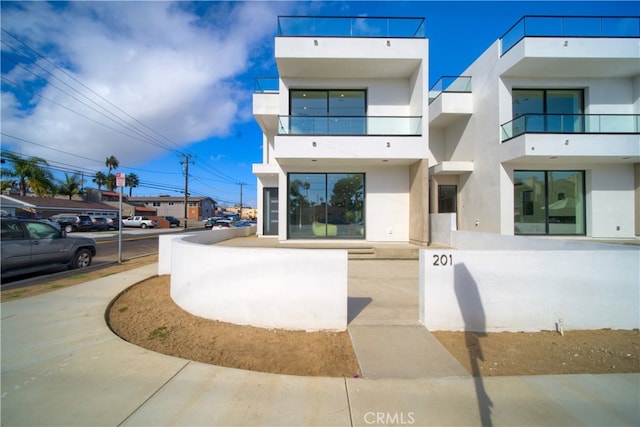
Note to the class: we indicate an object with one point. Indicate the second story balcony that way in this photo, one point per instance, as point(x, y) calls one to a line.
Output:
point(572, 47)
point(350, 126)
point(571, 124)
point(450, 99)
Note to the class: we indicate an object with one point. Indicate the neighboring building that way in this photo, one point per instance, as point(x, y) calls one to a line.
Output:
point(345, 131)
point(540, 136)
point(45, 207)
point(199, 208)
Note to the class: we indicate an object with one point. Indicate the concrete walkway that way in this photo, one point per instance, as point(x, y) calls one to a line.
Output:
point(61, 365)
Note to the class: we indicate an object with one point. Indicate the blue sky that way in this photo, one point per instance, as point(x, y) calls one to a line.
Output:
point(148, 81)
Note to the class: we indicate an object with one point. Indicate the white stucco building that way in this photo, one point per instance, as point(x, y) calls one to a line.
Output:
point(345, 131)
point(540, 136)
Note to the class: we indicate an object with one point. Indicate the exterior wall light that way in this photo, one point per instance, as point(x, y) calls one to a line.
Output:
point(388, 43)
point(314, 144)
point(388, 144)
point(315, 42)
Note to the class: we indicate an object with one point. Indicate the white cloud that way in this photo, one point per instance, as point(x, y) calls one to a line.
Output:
point(172, 66)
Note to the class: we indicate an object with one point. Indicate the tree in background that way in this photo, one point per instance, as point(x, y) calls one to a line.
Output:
point(132, 181)
point(111, 163)
point(100, 179)
point(70, 186)
point(30, 173)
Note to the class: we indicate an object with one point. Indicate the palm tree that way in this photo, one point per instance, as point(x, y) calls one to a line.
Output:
point(100, 179)
point(132, 181)
point(110, 182)
point(30, 174)
point(111, 163)
point(70, 185)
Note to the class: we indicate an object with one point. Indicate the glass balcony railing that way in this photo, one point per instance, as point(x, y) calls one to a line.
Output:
point(453, 84)
point(571, 123)
point(350, 26)
point(334, 125)
point(267, 84)
point(570, 26)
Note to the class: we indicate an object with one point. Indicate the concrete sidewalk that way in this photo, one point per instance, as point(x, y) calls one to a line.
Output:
point(61, 365)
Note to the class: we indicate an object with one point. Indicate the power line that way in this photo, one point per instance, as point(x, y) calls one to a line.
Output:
point(38, 54)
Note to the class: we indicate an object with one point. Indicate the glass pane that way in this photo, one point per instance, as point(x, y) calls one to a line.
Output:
point(307, 194)
point(565, 109)
point(529, 194)
point(345, 209)
point(447, 195)
point(346, 103)
point(308, 103)
point(566, 204)
point(527, 102)
point(326, 206)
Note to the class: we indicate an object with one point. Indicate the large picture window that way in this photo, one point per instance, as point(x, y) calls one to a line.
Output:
point(548, 110)
point(549, 202)
point(328, 112)
point(326, 205)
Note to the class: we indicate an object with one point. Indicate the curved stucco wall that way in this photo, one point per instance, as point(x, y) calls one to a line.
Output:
point(298, 289)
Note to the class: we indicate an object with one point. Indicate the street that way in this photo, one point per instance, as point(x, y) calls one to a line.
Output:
point(135, 243)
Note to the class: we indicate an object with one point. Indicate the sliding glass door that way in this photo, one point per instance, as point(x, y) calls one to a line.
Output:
point(326, 205)
point(549, 202)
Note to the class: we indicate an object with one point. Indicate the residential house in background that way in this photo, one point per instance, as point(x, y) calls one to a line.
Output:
point(345, 125)
point(198, 208)
point(541, 134)
point(45, 207)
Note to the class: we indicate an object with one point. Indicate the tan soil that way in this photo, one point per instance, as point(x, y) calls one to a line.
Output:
point(146, 316)
point(545, 353)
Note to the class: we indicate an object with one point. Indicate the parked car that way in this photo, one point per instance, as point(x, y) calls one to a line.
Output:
point(222, 223)
point(114, 223)
point(83, 223)
point(32, 245)
point(210, 221)
point(100, 224)
point(139, 221)
point(243, 223)
point(172, 221)
point(65, 221)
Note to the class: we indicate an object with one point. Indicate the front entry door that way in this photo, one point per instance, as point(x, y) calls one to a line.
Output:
point(270, 209)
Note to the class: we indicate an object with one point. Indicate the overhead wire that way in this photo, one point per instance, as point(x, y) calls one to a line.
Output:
point(212, 171)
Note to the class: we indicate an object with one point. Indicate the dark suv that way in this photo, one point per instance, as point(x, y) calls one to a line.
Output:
point(65, 221)
point(172, 221)
point(73, 222)
point(30, 245)
point(83, 223)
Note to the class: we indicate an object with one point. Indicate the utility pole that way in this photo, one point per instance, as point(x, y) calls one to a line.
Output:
point(241, 184)
point(185, 168)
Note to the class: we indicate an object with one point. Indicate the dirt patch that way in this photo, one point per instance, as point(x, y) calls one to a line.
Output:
point(545, 353)
point(145, 315)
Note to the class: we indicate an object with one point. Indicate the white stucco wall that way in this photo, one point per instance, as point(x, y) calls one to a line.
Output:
point(293, 289)
point(494, 291)
point(612, 201)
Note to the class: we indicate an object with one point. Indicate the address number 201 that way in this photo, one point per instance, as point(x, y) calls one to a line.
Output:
point(442, 260)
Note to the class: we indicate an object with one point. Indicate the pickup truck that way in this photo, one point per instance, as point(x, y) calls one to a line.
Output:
point(139, 221)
